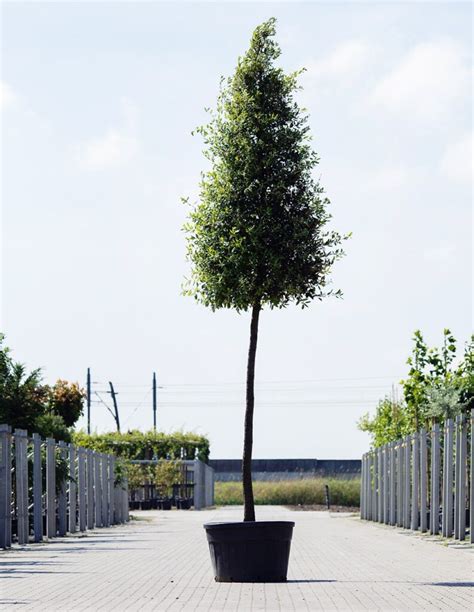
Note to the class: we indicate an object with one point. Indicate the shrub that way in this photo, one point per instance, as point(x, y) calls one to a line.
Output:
point(147, 445)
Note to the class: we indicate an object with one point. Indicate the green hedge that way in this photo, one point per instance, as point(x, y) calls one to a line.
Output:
point(146, 445)
point(291, 492)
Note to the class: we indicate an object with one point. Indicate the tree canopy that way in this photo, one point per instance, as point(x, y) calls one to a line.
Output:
point(258, 233)
point(27, 403)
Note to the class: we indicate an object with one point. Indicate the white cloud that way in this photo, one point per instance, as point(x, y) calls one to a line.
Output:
point(458, 162)
point(427, 81)
point(116, 147)
point(8, 97)
point(346, 60)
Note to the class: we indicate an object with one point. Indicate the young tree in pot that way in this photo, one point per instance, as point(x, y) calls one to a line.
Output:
point(258, 235)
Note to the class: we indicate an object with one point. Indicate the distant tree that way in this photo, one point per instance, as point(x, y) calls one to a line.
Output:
point(26, 403)
point(67, 401)
point(258, 235)
point(434, 390)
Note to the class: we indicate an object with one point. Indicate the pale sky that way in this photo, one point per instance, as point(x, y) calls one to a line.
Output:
point(98, 102)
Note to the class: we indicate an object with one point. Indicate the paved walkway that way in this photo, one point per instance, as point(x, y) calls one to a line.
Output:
point(162, 563)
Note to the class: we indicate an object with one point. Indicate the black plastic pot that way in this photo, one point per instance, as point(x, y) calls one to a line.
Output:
point(250, 552)
point(166, 504)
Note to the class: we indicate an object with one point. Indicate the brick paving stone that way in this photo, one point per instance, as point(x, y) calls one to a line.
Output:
point(161, 562)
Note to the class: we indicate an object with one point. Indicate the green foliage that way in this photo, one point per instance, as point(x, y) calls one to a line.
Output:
point(67, 401)
point(389, 423)
point(435, 389)
point(257, 235)
point(27, 403)
point(147, 445)
point(164, 474)
point(291, 492)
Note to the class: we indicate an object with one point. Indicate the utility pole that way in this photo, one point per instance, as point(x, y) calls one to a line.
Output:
point(88, 401)
point(114, 399)
point(154, 401)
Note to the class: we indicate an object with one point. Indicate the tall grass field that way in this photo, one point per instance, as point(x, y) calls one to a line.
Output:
point(291, 492)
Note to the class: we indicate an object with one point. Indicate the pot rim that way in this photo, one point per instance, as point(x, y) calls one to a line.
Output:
point(247, 524)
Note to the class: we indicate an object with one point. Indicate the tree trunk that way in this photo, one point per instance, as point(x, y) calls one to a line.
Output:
point(249, 507)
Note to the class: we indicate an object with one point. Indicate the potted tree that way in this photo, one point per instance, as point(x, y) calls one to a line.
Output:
point(257, 238)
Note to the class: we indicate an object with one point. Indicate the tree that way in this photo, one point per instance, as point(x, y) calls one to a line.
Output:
point(27, 403)
point(257, 237)
point(433, 391)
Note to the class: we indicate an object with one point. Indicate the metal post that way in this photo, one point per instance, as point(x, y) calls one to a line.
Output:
point(154, 401)
point(72, 489)
point(50, 488)
point(37, 489)
point(414, 523)
point(88, 401)
point(21, 481)
point(423, 480)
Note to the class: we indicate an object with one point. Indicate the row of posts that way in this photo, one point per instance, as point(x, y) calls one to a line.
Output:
point(34, 502)
point(424, 481)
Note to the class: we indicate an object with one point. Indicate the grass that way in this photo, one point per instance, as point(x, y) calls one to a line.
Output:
point(291, 492)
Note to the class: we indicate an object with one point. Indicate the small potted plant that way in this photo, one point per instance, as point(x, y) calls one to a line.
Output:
point(257, 238)
point(167, 474)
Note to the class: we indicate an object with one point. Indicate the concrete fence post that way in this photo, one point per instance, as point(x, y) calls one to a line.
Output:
point(198, 485)
point(5, 486)
point(423, 480)
point(415, 483)
point(37, 489)
point(72, 489)
point(110, 493)
point(62, 498)
point(461, 486)
point(471, 481)
point(81, 485)
point(449, 479)
point(21, 483)
point(97, 460)
point(104, 492)
point(90, 488)
point(50, 488)
point(393, 507)
point(457, 473)
point(385, 484)
point(400, 503)
point(407, 473)
point(435, 479)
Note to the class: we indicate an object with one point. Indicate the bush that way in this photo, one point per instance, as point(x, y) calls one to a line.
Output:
point(147, 445)
point(291, 492)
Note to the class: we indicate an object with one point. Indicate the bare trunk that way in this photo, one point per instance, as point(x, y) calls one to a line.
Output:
point(249, 507)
